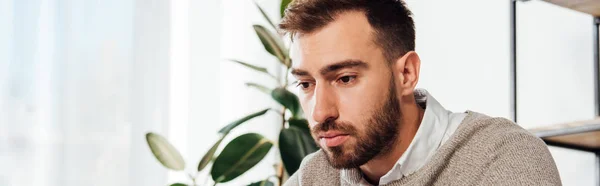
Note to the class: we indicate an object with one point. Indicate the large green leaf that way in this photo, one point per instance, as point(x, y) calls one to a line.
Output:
point(209, 155)
point(225, 130)
point(241, 154)
point(265, 15)
point(164, 152)
point(287, 99)
point(262, 183)
point(254, 67)
point(294, 145)
point(284, 4)
point(272, 44)
point(300, 124)
point(178, 184)
point(259, 87)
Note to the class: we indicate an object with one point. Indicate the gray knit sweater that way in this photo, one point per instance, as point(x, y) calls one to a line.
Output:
point(482, 151)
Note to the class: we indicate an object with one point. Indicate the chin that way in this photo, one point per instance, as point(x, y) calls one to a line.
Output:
point(341, 157)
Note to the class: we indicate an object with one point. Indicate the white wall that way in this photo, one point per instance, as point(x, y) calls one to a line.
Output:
point(556, 63)
point(465, 45)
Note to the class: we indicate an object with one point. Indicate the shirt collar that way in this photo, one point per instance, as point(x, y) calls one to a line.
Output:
point(426, 141)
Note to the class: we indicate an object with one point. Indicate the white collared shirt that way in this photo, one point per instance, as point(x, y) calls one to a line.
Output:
point(437, 126)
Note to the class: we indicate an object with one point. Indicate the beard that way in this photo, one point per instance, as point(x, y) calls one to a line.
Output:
point(379, 136)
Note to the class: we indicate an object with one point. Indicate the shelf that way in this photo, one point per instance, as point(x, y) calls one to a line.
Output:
point(582, 135)
point(591, 7)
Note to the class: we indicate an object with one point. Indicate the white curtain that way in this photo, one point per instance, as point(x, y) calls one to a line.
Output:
point(82, 81)
point(80, 84)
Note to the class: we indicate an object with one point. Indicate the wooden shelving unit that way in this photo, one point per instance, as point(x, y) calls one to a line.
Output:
point(591, 7)
point(579, 135)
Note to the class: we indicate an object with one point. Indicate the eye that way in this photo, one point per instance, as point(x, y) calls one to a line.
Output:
point(303, 85)
point(346, 79)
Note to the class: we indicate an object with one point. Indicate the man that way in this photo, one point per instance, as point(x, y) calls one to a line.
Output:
point(357, 70)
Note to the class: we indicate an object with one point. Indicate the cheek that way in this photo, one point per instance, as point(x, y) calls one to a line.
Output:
point(358, 103)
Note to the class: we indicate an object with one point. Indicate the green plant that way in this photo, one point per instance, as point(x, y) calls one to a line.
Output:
point(246, 150)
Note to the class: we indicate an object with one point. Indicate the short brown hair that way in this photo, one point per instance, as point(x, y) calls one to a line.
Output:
point(391, 20)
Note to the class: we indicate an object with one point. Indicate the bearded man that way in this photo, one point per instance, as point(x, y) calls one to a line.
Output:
point(357, 71)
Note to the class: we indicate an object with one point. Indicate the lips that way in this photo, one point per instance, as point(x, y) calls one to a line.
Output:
point(332, 138)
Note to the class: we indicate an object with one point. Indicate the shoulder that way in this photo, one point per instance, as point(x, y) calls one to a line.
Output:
point(314, 169)
point(497, 130)
point(512, 152)
point(486, 136)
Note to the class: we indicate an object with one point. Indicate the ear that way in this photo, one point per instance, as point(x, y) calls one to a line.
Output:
point(407, 69)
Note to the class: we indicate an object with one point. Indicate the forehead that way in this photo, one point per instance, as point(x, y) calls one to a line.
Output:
point(349, 36)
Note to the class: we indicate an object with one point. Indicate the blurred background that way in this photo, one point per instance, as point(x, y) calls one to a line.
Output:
point(82, 81)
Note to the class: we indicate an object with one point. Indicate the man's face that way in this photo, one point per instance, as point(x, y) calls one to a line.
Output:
point(347, 90)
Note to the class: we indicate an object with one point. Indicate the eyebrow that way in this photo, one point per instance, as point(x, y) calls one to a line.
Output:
point(351, 63)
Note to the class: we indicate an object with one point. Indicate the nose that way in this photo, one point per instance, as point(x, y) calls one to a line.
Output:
point(325, 105)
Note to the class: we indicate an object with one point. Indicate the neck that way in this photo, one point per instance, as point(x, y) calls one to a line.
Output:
point(409, 123)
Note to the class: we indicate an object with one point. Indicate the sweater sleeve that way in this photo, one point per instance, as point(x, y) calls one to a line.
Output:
point(520, 158)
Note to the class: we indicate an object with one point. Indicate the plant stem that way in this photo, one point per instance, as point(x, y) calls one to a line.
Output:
point(280, 168)
point(283, 119)
point(280, 173)
point(285, 77)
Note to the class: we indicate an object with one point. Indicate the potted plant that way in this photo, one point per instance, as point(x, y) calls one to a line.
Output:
point(246, 150)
